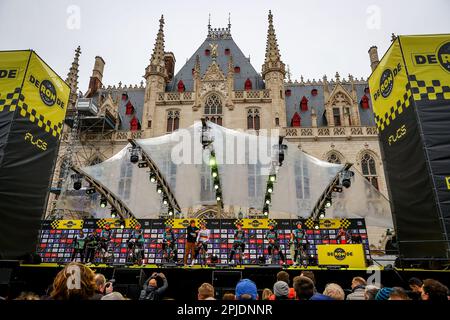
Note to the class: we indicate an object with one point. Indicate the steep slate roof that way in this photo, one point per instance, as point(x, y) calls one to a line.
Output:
point(135, 95)
point(247, 70)
point(318, 103)
point(293, 103)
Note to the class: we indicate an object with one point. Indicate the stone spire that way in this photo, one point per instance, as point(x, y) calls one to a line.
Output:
point(72, 78)
point(157, 63)
point(272, 61)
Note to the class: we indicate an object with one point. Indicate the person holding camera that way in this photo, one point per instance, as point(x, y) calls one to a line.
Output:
point(151, 290)
point(102, 287)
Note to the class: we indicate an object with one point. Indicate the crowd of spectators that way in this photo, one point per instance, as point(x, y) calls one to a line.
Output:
point(79, 282)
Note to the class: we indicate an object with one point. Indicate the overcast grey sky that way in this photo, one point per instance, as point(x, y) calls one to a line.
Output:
point(315, 37)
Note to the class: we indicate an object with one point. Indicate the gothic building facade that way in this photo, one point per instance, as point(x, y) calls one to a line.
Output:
point(330, 119)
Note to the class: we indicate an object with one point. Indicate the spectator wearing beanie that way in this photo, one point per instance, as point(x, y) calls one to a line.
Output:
point(281, 290)
point(383, 294)
point(358, 289)
point(284, 276)
point(246, 290)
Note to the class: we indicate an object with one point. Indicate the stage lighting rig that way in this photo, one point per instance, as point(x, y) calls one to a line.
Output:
point(113, 213)
point(328, 202)
point(152, 177)
point(280, 150)
point(206, 136)
point(76, 181)
point(134, 153)
point(345, 178)
point(142, 164)
point(90, 190)
point(103, 202)
point(322, 213)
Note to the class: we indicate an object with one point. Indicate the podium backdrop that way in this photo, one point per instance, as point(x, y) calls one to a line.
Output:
point(33, 102)
point(410, 91)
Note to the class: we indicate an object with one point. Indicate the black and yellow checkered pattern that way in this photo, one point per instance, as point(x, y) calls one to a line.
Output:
point(272, 221)
point(133, 222)
point(9, 104)
point(382, 121)
point(241, 221)
point(113, 223)
point(179, 223)
point(169, 222)
point(428, 90)
point(67, 224)
point(16, 100)
point(345, 223)
point(309, 223)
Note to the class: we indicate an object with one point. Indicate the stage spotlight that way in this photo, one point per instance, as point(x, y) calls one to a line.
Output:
point(143, 164)
point(77, 185)
point(159, 189)
point(212, 161)
point(90, 191)
point(170, 212)
point(214, 174)
point(346, 176)
point(152, 177)
point(322, 215)
point(267, 201)
point(272, 178)
point(337, 189)
point(122, 225)
point(269, 190)
point(327, 202)
point(103, 202)
point(113, 213)
point(165, 200)
point(218, 198)
point(134, 157)
point(266, 210)
point(216, 186)
point(316, 225)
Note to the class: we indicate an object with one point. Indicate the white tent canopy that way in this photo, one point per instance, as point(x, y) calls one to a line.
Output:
point(244, 162)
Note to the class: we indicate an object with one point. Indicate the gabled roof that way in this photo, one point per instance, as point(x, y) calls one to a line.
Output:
point(239, 60)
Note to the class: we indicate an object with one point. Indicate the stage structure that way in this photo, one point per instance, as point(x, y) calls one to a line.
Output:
point(56, 239)
point(222, 173)
point(33, 102)
point(411, 98)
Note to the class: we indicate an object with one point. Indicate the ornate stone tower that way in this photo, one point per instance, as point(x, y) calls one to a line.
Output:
point(156, 78)
point(72, 79)
point(273, 71)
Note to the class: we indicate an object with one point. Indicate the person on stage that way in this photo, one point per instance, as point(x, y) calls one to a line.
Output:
point(136, 244)
point(191, 237)
point(238, 241)
point(79, 246)
point(169, 241)
point(91, 247)
point(202, 240)
point(298, 240)
point(104, 240)
point(343, 236)
point(272, 236)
